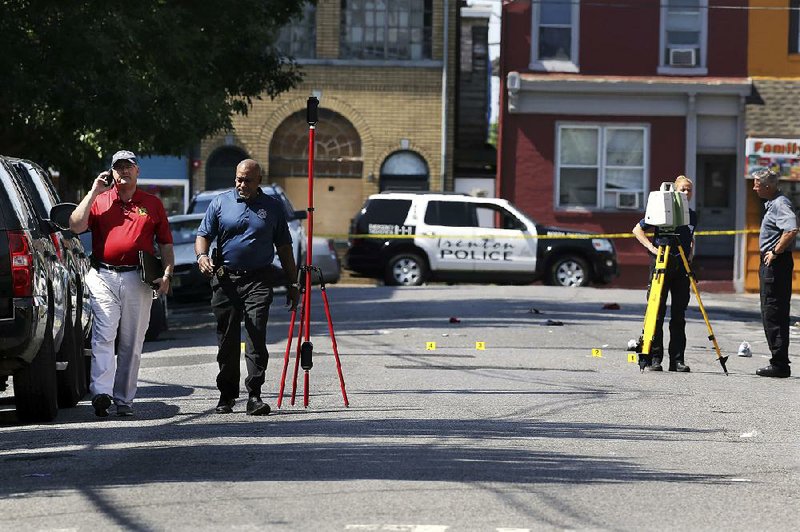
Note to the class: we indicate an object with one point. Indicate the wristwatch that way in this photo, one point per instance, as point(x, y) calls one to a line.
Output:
point(201, 255)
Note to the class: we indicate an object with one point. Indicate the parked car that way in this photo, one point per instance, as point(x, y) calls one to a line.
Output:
point(202, 200)
point(32, 301)
point(159, 321)
point(189, 283)
point(324, 256)
point(187, 280)
point(409, 238)
point(73, 263)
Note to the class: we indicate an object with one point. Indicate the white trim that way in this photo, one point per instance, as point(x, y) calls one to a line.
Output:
point(601, 163)
point(550, 65)
point(702, 66)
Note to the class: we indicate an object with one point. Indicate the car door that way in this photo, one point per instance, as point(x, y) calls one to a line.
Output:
point(449, 234)
point(505, 242)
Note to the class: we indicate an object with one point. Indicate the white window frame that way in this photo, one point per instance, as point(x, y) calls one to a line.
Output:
point(701, 69)
point(601, 128)
point(550, 65)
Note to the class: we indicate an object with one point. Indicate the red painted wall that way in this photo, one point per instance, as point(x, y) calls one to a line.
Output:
point(619, 38)
point(529, 175)
point(516, 37)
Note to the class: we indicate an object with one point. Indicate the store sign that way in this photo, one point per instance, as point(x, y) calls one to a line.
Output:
point(782, 155)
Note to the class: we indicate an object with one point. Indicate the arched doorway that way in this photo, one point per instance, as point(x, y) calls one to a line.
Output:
point(404, 170)
point(337, 149)
point(221, 167)
point(338, 167)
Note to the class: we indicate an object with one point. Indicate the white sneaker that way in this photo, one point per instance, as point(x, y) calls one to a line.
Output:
point(744, 350)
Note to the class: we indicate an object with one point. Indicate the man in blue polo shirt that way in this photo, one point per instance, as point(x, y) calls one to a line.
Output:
point(248, 226)
point(776, 242)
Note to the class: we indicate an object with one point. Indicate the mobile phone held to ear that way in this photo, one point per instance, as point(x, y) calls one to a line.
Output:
point(108, 180)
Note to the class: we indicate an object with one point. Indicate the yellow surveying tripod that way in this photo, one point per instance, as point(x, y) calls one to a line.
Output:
point(655, 305)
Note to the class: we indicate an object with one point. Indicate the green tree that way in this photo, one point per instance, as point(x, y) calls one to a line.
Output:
point(81, 79)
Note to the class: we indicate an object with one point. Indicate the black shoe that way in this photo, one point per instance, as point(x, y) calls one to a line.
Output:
point(101, 402)
point(774, 371)
point(256, 407)
point(656, 366)
point(680, 367)
point(124, 411)
point(225, 406)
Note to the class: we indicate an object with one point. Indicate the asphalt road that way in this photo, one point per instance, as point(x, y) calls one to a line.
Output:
point(528, 430)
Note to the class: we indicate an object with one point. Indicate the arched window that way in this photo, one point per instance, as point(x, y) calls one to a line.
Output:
point(404, 170)
point(337, 147)
point(221, 167)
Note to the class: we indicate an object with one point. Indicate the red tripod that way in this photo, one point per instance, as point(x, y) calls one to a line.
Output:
point(305, 349)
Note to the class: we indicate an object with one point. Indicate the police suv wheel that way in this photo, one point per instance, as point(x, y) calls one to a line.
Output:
point(569, 271)
point(406, 269)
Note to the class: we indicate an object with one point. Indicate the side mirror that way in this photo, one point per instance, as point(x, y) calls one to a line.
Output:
point(59, 215)
point(301, 215)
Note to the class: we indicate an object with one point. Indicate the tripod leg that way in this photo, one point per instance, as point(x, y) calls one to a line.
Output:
point(297, 357)
point(333, 343)
point(307, 330)
point(711, 336)
point(654, 304)
point(286, 356)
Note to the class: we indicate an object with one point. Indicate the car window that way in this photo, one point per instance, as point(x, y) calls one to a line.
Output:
point(22, 206)
point(33, 191)
point(9, 203)
point(200, 205)
point(496, 217)
point(184, 231)
point(381, 212)
point(451, 214)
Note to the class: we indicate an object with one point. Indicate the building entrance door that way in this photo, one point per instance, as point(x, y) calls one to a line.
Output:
point(715, 190)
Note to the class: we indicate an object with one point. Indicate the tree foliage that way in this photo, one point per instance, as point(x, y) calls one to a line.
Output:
point(83, 78)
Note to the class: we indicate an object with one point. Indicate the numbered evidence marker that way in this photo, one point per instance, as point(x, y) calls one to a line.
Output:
point(597, 353)
point(632, 358)
point(480, 346)
point(430, 346)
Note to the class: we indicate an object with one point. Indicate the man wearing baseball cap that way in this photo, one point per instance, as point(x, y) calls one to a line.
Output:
point(124, 220)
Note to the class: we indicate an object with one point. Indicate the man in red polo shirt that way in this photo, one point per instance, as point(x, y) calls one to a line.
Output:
point(124, 220)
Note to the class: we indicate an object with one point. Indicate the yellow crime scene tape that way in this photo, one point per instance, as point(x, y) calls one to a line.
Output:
point(551, 236)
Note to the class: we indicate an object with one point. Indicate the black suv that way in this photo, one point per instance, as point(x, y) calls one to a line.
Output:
point(76, 329)
point(30, 276)
point(408, 238)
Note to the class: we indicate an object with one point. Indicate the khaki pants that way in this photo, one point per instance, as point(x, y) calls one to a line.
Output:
point(121, 311)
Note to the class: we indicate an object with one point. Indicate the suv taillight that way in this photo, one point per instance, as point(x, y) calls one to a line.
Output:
point(57, 243)
point(19, 246)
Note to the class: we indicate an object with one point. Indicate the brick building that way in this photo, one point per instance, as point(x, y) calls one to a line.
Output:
point(603, 101)
point(385, 121)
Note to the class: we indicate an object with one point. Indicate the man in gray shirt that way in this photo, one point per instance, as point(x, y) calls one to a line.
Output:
point(775, 242)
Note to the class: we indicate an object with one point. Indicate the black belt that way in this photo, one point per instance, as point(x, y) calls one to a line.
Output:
point(114, 268)
point(246, 273)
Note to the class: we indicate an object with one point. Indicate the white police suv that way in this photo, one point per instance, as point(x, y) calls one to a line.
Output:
point(409, 238)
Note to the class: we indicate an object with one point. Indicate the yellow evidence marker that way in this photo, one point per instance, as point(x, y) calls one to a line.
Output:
point(480, 346)
point(430, 346)
point(632, 358)
point(597, 353)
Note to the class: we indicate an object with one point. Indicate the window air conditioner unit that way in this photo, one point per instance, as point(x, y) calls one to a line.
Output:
point(682, 57)
point(627, 200)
